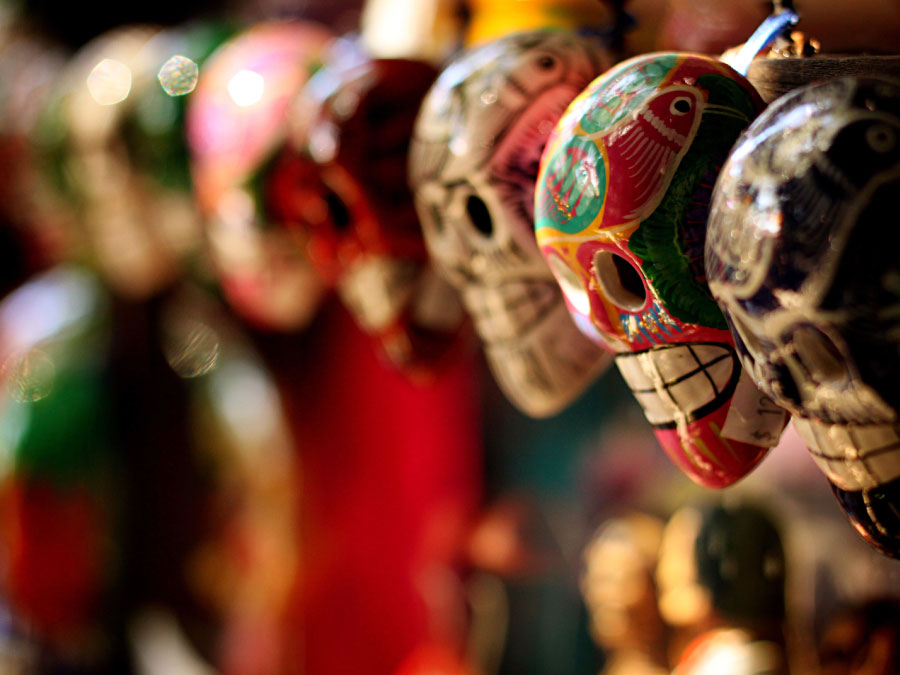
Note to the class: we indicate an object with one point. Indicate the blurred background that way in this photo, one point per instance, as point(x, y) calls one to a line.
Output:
point(206, 473)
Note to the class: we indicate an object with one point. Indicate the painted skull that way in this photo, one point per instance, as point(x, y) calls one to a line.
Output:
point(796, 258)
point(341, 190)
point(621, 207)
point(237, 119)
point(111, 142)
point(473, 164)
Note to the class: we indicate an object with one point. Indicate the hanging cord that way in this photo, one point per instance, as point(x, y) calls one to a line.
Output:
point(776, 26)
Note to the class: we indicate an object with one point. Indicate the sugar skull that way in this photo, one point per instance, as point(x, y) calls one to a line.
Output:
point(341, 191)
point(796, 258)
point(473, 164)
point(621, 207)
point(111, 142)
point(236, 120)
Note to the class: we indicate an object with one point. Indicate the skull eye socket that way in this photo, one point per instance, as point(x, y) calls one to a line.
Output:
point(337, 210)
point(618, 279)
point(881, 138)
point(546, 62)
point(820, 356)
point(681, 105)
point(479, 215)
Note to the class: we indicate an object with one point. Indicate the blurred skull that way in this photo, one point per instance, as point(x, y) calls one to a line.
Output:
point(342, 191)
point(111, 138)
point(797, 260)
point(473, 164)
point(236, 121)
point(32, 235)
point(621, 202)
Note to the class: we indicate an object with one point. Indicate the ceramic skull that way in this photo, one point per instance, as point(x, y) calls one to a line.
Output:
point(111, 142)
point(236, 120)
point(341, 190)
point(797, 260)
point(621, 206)
point(473, 163)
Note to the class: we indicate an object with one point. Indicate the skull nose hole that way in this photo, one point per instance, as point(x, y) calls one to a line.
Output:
point(786, 385)
point(820, 356)
point(618, 279)
point(479, 215)
point(337, 209)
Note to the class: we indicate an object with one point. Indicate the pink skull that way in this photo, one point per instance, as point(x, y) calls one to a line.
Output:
point(238, 116)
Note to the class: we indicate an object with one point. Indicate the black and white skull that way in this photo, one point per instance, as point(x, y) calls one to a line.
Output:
point(473, 166)
point(799, 259)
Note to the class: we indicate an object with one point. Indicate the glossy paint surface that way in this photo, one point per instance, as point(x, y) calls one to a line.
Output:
point(798, 261)
point(620, 215)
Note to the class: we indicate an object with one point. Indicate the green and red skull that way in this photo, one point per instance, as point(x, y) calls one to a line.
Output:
point(620, 215)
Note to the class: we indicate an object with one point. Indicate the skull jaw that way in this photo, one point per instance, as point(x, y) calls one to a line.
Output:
point(546, 368)
point(707, 457)
point(862, 464)
point(267, 280)
point(873, 515)
point(706, 414)
point(415, 315)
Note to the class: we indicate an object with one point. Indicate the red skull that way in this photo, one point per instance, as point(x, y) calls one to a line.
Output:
point(343, 192)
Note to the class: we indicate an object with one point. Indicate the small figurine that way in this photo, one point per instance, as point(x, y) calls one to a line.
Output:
point(59, 517)
point(619, 589)
point(340, 188)
point(798, 263)
point(621, 207)
point(473, 164)
point(236, 119)
point(721, 577)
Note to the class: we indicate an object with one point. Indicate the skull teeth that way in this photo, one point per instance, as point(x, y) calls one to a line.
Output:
point(853, 456)
point(507, 311)
point(680, 383)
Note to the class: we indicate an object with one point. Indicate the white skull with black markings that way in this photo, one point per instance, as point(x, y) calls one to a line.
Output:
point(473, 165)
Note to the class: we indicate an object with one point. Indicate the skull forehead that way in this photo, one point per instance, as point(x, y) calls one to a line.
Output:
point(481, 94)
point(783, 187)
